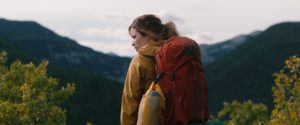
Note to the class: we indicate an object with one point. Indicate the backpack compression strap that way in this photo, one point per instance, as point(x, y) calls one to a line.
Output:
point(171, 74)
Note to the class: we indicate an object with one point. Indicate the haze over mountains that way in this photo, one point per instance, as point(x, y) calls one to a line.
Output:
point(237, 69)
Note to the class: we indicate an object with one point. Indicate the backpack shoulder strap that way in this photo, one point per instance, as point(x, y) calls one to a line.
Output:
point(157, 75)
point(158, 64)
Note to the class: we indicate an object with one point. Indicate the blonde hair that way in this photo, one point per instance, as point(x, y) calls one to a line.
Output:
point(151, 25)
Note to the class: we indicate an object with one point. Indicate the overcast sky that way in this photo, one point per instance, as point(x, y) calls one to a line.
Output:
point(102, 24)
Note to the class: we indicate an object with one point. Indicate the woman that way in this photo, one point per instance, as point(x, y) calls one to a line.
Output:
point(148, 33)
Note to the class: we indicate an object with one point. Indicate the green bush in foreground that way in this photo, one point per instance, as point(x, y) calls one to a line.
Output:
point(28, 96)
point(286, 92)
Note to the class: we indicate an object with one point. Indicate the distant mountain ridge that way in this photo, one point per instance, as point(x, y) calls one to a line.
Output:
point(43, 43)
point(246, 72)
point(213, 52)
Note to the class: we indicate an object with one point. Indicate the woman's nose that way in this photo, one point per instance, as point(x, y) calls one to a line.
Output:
point(132, 44)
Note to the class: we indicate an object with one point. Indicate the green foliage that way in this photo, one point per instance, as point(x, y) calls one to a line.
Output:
point(89, 123)
point(247, 113)
point(286, 92)
point(28, 96)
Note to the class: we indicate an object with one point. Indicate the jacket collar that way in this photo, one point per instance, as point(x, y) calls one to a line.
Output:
point(149, 49)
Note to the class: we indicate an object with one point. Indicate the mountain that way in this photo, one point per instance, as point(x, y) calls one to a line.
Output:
point(43, 43)
point(247, 72)
point(237, 69)
point(97, 99)
point(213, 52)
point(15, 52)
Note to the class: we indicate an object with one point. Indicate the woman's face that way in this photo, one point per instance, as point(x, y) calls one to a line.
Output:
point(138, 40)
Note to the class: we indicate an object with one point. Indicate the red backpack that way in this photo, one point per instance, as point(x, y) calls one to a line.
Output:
point(182, 82)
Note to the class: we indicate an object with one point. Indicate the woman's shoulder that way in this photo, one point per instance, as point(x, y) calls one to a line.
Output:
point(142, 60)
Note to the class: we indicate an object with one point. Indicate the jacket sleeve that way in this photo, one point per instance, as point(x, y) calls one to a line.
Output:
point(132, 93)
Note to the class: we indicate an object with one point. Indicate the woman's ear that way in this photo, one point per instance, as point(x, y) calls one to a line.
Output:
point(149, 38)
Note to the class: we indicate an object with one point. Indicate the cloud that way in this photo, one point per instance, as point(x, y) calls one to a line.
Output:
point(108, 40)
point(121, 48)
point(183, 28)
point(116, 16)
point(95, 22)
point(180, 22)
point(201, 38)
point(108, 33)
point(105, 32)
point(167, 16)
point(98, 33)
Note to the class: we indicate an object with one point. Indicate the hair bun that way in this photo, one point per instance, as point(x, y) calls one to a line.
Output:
point(171, 27)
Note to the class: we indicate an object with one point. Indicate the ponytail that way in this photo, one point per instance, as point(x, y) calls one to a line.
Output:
point(171, 29)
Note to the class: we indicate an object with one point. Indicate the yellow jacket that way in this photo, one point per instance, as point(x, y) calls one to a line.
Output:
point(141, 73)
